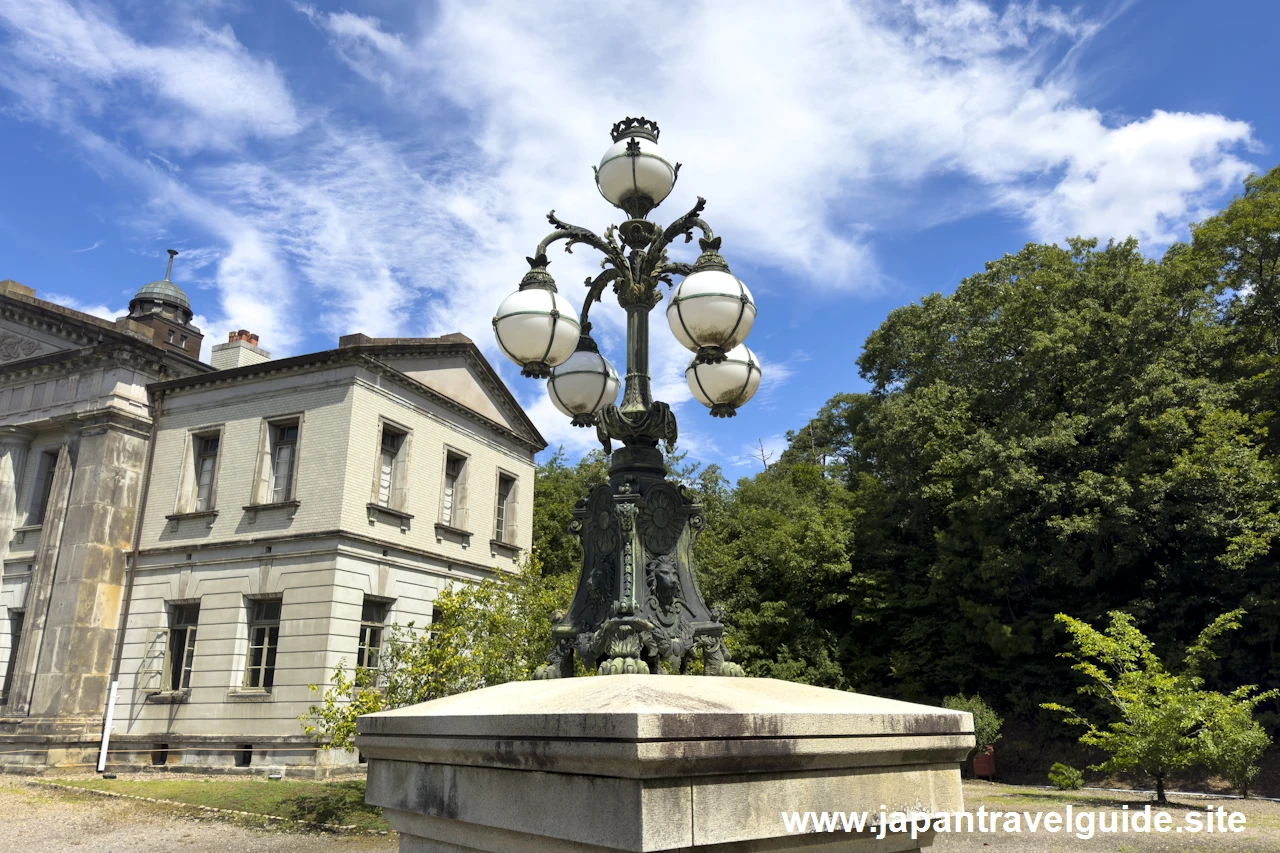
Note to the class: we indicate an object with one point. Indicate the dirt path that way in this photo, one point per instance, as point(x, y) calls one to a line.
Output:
point(39, 819)
point(1261, 831)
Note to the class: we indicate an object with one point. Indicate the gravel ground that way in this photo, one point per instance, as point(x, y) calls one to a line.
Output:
point(39, 819)
point(1261, 831)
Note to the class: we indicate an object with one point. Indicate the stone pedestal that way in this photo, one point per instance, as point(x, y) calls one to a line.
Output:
point(657, 763)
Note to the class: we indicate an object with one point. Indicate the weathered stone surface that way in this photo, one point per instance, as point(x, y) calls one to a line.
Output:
point(648, 763)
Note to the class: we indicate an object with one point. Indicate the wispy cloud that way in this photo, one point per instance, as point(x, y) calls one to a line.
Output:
point(99, 310)
point(97, 244)
point(63, 59)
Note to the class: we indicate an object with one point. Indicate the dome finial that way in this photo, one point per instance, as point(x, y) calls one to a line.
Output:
point(173, 253)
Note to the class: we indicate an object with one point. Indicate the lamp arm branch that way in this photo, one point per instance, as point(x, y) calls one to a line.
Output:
point(664, 272)
point(595, 290)
point(684, 225)
point(574, 234)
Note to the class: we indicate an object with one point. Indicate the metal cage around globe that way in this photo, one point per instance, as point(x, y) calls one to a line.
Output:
point(583, 385)
point(725, 385)
point(711, 312)
point(536, 328)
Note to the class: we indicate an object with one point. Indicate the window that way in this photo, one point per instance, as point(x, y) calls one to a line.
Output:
point(373, 619)
point(170, 336)
point(391, 468)
point(182, 644)
point(15, 636)
point(206, 465)
point(284, 452)
point(43, 486)
point(453, 504)
point(504, 523)
point(264, 639)
point(182, 341)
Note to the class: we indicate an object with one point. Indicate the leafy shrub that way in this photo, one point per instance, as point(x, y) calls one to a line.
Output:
point(986, 722)
point(1064, 777)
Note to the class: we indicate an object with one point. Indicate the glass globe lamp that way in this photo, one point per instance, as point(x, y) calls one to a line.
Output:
point(584, 384)
point(711, 312)
point(725, 385)
point(634, 174)
point(536, 327)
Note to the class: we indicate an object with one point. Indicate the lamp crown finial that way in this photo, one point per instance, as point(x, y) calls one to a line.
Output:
point(632, 127)
point(173, 253)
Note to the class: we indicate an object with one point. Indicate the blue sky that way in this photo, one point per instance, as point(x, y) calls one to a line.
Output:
point(384, 168)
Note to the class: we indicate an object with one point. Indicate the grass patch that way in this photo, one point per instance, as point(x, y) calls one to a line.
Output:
point(318, 802)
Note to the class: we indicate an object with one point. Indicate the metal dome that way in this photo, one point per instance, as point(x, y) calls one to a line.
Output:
point(165, 291)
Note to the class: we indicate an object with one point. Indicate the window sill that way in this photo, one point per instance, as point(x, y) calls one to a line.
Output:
point(379, 512)
point(209, 515)
point(169, 697)
point(253, 509)
point(506, 549)
point(20, 533)
point(248, 696)
point(456, 534)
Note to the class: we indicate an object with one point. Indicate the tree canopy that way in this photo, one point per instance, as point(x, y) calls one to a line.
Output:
point(1076, 429)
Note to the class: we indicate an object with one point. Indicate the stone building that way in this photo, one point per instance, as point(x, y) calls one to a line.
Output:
point(217, 537)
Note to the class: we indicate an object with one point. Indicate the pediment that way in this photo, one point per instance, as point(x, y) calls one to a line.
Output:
point(19, 342)
point(456, 376)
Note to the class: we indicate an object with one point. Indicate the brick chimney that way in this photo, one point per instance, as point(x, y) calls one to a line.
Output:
point(240, 350)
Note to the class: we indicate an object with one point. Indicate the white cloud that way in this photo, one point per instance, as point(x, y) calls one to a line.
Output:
point(62, 57)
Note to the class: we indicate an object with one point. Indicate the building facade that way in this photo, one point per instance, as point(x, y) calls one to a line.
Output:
point(215, 541)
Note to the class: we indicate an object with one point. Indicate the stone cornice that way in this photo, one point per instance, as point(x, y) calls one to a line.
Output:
point(84, 331)
point(154, 361)
point(338, 534)
point(528, 437)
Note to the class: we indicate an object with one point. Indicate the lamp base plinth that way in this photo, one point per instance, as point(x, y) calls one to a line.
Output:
point(658, 764)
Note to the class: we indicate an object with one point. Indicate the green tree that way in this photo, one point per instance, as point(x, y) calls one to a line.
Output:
point(557, 487)
point(775, 555)
point(1054, 436)
point(485, 634)
point(1164, 719)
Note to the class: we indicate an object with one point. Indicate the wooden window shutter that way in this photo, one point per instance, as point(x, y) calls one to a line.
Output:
point(513, 513)
point(460, 496)
point(377, 464)
point(400, 475)
point(262, 482)
point(186, 497)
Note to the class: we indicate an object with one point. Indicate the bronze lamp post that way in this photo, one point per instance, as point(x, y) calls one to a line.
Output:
point(637, 601)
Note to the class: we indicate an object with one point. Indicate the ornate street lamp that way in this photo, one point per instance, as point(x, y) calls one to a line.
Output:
point(637, 603)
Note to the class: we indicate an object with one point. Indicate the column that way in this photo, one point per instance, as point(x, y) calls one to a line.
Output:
point(87, 591)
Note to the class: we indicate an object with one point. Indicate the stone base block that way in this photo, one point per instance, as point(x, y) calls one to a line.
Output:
point(657, 763)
